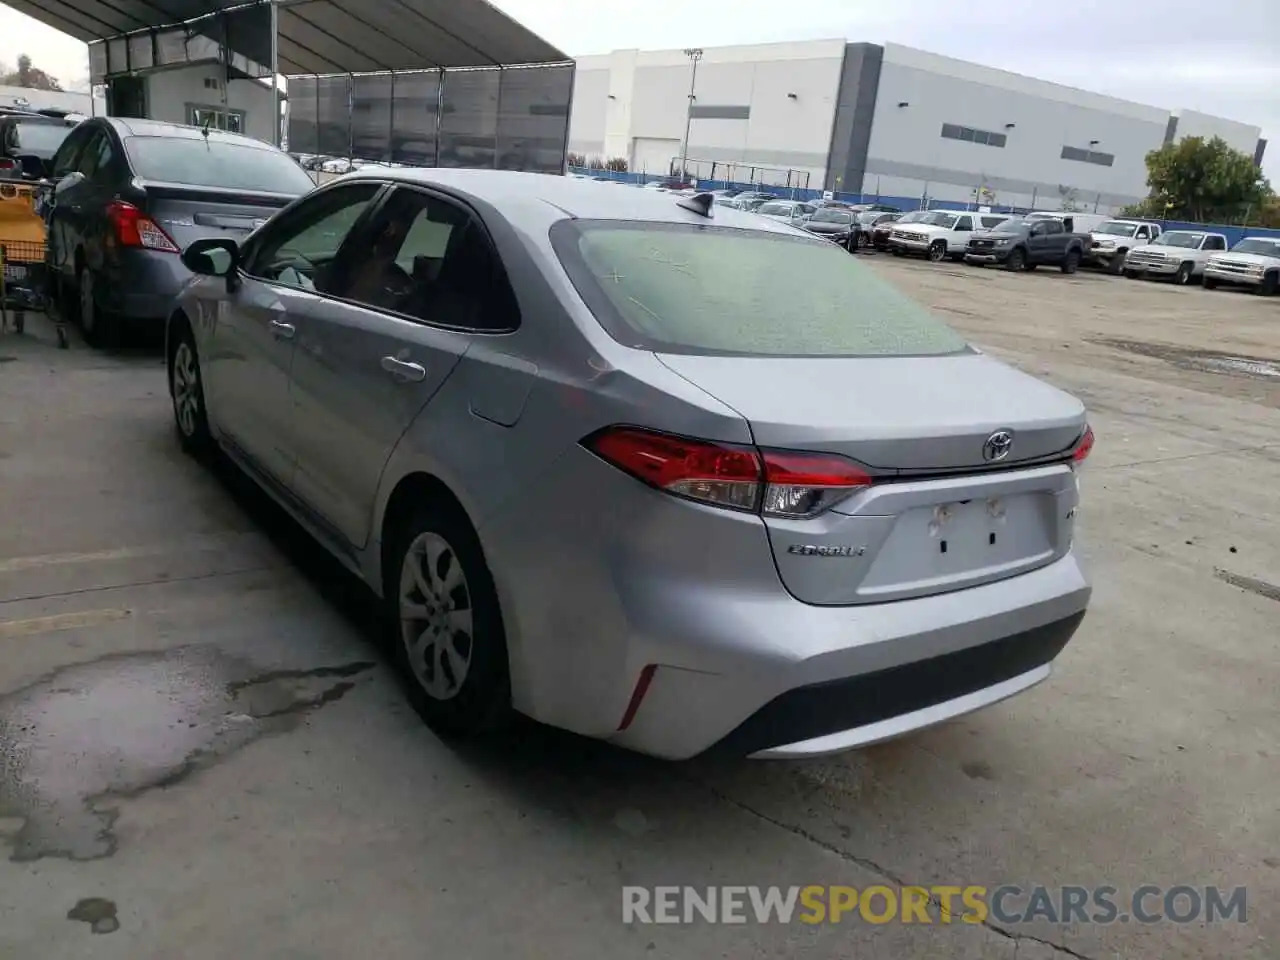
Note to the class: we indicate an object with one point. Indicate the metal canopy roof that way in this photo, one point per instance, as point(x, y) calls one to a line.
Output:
point(323, 36)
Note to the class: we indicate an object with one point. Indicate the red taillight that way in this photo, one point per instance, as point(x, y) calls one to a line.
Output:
point(774, 483)
point(135, 229)
point(7, 163)
point(1084, 446)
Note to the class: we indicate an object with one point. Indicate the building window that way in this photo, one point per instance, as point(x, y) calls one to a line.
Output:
point(1088, 156)
point(216, 118)
point(985, 137)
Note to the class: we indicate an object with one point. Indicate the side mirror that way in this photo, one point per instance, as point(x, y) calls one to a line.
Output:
point(212, 257)
point(73, 179)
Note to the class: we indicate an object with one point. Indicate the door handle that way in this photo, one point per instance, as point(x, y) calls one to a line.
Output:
point(406, 371)
point(281, 330)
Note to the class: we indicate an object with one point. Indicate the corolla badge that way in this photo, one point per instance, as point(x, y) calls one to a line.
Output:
point(814, 550)
point(997, 446)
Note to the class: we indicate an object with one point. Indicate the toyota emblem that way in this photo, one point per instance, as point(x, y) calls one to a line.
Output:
point(997, 446)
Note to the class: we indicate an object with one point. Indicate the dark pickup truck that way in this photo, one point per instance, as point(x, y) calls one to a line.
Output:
point(1026, 244)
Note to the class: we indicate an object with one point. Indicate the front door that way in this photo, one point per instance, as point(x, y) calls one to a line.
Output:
point(367, 364)
point(247, 370)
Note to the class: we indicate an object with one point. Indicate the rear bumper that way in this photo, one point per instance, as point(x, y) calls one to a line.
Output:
point(642, 580)
point(142, 284)
point(856, 711)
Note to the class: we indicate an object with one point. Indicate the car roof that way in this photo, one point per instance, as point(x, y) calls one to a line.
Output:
point(133, 127)
point(515, 194)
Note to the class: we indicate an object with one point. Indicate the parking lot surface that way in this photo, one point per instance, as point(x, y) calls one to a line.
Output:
point(204, 754)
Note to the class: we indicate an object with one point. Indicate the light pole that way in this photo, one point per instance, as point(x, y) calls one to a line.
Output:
point(694, 54)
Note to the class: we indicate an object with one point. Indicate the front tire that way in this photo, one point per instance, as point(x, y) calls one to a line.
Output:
point(1017, 260)
point(186, 388)
point(1211, 283)
point(1071, 262)
point(1183, 277)
point(937, 251)
point(1116, 264)
point(449, 640)
point(1269, 285)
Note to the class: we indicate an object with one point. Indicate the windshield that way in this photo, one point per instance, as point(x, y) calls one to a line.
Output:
point(1179, 238)
point(777, 209)
point(915, 216)
point(1117, 229)
point(945, 220)
point(832, 215)
point(38, 139)
point(1268, 248)
point(220, 164)
point(679, 288)
point(870, 216)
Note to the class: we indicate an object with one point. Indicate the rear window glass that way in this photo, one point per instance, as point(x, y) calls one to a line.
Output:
point(677, 288)
point(37, 139)
point(216, 163)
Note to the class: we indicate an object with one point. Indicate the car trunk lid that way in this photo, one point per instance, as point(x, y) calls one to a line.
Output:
point(967, 458)
point(188, 213)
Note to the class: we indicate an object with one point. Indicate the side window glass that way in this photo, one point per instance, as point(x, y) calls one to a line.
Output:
point(301, 251)
point(64, 161)
point(1141, 234)
point(96, 155)
point(430, 261)
point(964, 223)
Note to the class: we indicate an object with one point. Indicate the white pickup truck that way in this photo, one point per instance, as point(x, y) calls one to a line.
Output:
point(1180, 254)
point(1253, 262)
point(940, 234)
point(1113, 239)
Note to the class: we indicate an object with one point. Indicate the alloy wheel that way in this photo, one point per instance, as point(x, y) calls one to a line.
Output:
point(436, 616)
point(186, 389)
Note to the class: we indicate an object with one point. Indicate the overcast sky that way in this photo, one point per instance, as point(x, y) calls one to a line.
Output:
point(1215, 56)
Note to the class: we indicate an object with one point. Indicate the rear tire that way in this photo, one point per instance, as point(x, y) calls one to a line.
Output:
point(1269, 285)
point(937, 251)
point(1210, 283)
point(1071, 262)
point(897, 251)
point(1132, 274)
point(1017, 260)
point(1183, 277)
point(443, 609)
point(101, 328)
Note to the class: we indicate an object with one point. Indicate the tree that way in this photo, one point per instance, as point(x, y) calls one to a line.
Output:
point(1067, 196)
point(1204, 181)
point(28, 76)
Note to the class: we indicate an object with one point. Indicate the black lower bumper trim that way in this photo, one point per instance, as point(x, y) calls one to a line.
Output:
point(851, 702)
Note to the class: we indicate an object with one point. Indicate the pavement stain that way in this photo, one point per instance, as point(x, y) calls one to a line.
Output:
point(1261, 587)
point(90, 734)
point(100, 914)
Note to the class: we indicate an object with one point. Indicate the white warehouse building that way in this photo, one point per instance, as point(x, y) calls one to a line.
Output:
point(878, 120)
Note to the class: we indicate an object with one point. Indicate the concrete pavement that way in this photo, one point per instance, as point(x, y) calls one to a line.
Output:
point(203, 753)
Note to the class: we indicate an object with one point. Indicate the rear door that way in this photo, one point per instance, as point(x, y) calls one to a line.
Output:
point(958, 239)
point(376, 351)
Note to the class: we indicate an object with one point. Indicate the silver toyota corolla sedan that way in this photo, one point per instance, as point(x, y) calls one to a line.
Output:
point(648, 469)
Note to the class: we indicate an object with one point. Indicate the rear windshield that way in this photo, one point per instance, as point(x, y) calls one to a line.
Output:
point(216, 163)
point(38, 139)
point(678, 288)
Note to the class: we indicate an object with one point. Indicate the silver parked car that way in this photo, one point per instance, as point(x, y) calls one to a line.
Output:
point(606, 468)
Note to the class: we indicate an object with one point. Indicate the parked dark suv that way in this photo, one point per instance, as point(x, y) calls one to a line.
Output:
point(125, 197)
point(1027, 244)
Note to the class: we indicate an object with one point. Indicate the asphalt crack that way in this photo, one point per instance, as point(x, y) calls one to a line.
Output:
point(877, 868)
